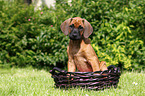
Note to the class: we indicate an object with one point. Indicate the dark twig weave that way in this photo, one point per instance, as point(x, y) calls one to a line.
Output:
point(89, 80)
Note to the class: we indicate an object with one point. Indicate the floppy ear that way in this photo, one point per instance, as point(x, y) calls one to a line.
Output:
point(88, 29)
point(65, 26)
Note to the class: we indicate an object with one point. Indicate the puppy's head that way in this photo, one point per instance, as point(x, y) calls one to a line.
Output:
point(76, 28)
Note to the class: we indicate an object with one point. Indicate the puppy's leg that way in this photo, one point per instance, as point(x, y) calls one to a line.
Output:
point(103, 66)
point(71, 66)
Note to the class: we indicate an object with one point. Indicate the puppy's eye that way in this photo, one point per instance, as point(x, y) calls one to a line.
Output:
point(71, 26)
point(80, 27)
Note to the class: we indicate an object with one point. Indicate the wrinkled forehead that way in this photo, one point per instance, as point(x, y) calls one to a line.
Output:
point(77, 22)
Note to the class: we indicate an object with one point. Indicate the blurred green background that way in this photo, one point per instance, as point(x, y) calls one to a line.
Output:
point(33, 38)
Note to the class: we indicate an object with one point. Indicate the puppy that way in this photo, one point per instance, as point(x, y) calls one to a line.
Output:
point(80, 52)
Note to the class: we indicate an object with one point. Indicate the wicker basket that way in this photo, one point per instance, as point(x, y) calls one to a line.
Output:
point(89, 80)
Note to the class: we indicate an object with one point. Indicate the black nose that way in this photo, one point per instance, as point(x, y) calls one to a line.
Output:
point(74, 35)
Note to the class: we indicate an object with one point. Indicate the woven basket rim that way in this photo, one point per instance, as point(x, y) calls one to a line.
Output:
point(88, 80)
point(109, 67)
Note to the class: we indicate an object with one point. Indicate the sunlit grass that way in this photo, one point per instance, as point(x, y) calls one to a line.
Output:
point(33, 82)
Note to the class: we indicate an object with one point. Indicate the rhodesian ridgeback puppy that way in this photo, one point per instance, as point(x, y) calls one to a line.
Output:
point(81, 55)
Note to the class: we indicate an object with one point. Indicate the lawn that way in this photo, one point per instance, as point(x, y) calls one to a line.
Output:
point(34, 82)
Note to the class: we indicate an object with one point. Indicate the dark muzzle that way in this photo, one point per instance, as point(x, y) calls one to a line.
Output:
point(75, 35)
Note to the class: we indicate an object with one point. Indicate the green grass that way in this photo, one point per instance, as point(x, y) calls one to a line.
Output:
point(33, 82)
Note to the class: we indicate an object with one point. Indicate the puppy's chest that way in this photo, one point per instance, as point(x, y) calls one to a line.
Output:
point(76, 52)
point(81, 62)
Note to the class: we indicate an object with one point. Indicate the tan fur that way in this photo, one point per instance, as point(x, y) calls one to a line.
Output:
point(81, 55)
